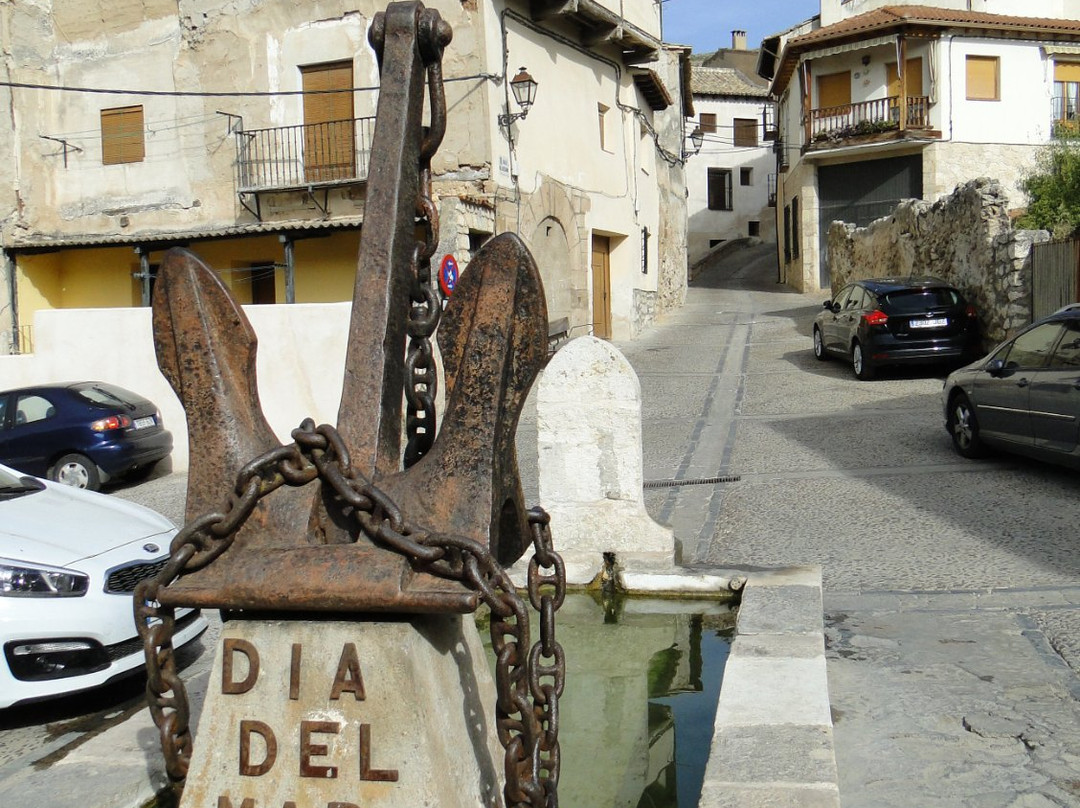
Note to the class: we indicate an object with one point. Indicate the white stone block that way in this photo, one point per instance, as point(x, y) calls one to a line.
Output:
point(353, 713)
point(590, 462)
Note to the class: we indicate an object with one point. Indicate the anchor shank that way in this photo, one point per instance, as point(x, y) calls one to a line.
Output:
point(370, 414)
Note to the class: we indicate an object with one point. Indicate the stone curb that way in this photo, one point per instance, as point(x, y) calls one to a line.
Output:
point(773, 737)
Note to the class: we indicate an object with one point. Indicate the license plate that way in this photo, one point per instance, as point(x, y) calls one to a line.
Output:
point(143, 423)
point(937, 322)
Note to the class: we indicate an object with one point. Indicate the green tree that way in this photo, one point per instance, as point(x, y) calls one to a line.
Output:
point(1053, 191)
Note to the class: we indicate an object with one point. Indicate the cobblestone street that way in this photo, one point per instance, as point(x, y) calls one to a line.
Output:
point(952, 587)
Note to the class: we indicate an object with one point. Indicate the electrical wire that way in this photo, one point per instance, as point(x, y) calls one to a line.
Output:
point(21, 85)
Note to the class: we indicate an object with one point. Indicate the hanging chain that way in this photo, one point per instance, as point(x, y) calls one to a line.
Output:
point(425, 309)
point(528, 685)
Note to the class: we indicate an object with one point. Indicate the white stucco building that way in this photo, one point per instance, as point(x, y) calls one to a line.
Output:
point(879, 102)
point(730, 182)
point(136, 125)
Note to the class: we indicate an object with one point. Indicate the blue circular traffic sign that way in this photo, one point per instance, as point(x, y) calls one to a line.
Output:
point(448, 274)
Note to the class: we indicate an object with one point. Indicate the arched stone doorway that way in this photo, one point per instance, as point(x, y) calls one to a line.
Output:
point(551, 249)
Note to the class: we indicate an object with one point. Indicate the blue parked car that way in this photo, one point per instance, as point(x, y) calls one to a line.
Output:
point(81, 434)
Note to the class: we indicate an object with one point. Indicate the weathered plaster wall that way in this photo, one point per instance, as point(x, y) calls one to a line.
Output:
point(946, 165)
point(965, 238)
point(178, 49)
point(672, 224)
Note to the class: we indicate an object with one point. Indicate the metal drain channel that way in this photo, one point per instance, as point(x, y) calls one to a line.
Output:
point(703, 481)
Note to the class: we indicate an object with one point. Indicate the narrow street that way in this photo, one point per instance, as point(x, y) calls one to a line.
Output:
point(951, 587)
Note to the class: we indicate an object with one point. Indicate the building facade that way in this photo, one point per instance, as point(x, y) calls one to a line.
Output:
point(879, 102)
point(731, 180)
point(243, 132)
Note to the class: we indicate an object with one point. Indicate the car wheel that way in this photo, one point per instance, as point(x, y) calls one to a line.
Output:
point(819, 346)
point(864, 368)
point(77, 471)
point(964, 427)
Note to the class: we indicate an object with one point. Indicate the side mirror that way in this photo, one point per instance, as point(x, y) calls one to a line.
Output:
point(995, 367)
point(827, 305)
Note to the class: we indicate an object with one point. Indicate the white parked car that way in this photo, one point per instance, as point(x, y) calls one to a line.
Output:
point(69, 563)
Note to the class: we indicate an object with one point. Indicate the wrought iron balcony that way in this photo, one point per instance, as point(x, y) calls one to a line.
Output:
point(303, 156)
point(866, 118)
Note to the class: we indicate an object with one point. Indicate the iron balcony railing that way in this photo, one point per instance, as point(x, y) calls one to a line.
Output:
point(867, 118)
point(302, 156)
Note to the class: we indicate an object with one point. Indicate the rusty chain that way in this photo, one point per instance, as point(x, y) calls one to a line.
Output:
point(425, 311)
point(528, 685)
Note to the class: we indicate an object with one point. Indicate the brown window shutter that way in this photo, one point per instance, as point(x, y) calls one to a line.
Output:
point(708, 123)
point(834, 90)
point(122, 135)
point(746, 132)
point(329, 130)
point(982, 78)
point(1067, 71)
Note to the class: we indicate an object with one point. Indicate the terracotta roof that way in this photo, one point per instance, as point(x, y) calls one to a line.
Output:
point(892, 19)
point(891, 16)
point(723, 81)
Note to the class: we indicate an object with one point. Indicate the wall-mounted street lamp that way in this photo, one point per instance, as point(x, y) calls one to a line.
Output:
point(697, 137)
point(523, 86)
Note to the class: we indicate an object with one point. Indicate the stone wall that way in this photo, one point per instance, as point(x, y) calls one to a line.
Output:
point(966, 239)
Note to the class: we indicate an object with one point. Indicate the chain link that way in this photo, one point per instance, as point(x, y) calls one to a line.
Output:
point(421, 383)
point(529, 678)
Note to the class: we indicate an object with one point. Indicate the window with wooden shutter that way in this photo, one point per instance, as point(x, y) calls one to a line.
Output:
point(708, 123)
point(912, 76)
point(122, 135)
point(746, 132)
point(1066, 91)
point(834, 90)
point(329, 126)
point(719, 185)
point(982, 78)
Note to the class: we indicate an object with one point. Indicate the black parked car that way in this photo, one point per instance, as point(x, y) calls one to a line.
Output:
point(892, 321)
point(81, 434)
point(1024, 397)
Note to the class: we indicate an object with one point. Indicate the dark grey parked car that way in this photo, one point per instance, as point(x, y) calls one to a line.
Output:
point(1024, 397)
point(895, 321)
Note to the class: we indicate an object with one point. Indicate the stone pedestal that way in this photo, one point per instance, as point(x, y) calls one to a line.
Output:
point(343, 714)
point(588, 417)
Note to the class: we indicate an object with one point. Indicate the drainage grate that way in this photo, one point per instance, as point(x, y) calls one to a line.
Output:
point(734, 478)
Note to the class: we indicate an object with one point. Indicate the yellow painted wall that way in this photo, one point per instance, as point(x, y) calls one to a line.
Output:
point(37, 284)
point(326, 267)
point(231, 258)
point(103, 277)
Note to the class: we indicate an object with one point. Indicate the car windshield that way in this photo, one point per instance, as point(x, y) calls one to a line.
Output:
point(914, 301)
point(106, 395)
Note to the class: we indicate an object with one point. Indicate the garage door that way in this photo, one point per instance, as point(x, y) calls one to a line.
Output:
point(862, 192)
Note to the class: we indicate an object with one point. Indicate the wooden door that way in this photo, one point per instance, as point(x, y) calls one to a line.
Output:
point(601, 286)
point(916, 115)
point(329, 130)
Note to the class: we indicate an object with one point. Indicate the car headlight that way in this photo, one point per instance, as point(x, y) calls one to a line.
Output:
point(21, 580)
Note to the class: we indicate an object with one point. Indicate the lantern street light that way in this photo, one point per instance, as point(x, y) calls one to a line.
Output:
point(523, 86)
point(697, 137)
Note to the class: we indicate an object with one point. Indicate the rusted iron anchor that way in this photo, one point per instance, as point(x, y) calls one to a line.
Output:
point(360, 525)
